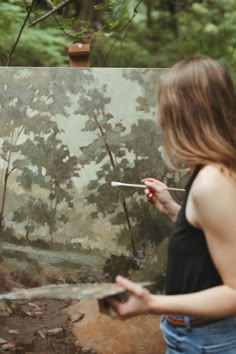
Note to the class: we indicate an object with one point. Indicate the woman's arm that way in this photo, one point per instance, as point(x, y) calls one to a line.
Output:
point(216, 302)
point(211, 207)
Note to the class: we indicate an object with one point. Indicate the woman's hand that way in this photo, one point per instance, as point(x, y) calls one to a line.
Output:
point(140, 299)
point(160, 197)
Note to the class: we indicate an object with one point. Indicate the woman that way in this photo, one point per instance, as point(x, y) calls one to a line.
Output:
point(196, 111)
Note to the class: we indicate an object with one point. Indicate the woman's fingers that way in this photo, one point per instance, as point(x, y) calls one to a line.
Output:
point(133, 288)
point(154, 187)
point(158, 194)
point(157, 187)
point(151, 196)
point(137, 302)
point(118, 307)
point(148, 192)
point(153, 181)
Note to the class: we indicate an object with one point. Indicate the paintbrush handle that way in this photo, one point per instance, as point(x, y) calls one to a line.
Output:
point(175, 189)
point(120, 184)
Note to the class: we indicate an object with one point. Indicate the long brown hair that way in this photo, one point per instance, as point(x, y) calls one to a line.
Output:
point(197, 113)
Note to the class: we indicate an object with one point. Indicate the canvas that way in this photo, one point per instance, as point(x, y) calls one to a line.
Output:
point(66, 134)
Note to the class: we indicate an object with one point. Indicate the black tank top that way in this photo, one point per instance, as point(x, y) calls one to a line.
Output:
point(189, 267)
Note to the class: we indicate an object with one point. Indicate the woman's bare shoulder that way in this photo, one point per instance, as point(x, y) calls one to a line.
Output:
point(214, 183)
point(214, 179)
point(213, 196)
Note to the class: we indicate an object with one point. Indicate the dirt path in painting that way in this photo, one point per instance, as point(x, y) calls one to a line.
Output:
point(65, 327)
point(40, 327)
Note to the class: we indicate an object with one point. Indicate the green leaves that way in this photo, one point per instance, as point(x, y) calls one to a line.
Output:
point(103, 6)
point(38, 46)
point(199, 8)
point(151, 35)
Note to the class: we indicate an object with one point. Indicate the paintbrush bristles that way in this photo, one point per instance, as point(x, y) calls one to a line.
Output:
point(120, 184)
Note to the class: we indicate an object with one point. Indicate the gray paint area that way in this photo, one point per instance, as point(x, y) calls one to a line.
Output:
point(65, 134)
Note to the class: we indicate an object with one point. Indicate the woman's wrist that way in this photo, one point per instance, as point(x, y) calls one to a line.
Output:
point(154, 305)
point(162, 304)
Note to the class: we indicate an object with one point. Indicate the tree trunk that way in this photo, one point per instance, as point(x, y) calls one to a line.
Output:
point(173, 9)
point(88, 12)
point(149, 13)
point(4, 198)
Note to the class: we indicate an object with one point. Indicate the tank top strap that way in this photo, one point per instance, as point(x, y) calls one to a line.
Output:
point(192, 178)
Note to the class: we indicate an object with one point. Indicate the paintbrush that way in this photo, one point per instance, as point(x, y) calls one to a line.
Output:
point(120, 184)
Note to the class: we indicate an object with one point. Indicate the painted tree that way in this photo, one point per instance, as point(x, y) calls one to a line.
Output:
point(55, 168)
point(34, 212)
point(103, 150)
point(110, 148)
point(17, 106)
point(31, 144)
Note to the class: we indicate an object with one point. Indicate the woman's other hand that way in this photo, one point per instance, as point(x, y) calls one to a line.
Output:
point(157, 194)
point(140, 300)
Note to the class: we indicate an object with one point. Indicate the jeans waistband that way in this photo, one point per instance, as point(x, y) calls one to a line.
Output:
point(189, 321)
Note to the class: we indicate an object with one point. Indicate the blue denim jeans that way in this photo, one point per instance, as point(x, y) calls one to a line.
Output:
point(217, 337)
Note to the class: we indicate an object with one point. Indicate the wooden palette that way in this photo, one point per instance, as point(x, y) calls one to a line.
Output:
point(67, 291)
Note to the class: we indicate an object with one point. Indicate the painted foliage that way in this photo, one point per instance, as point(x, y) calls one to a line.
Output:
point(65, 135)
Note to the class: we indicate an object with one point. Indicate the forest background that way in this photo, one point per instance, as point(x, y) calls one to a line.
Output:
point(125, 33)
